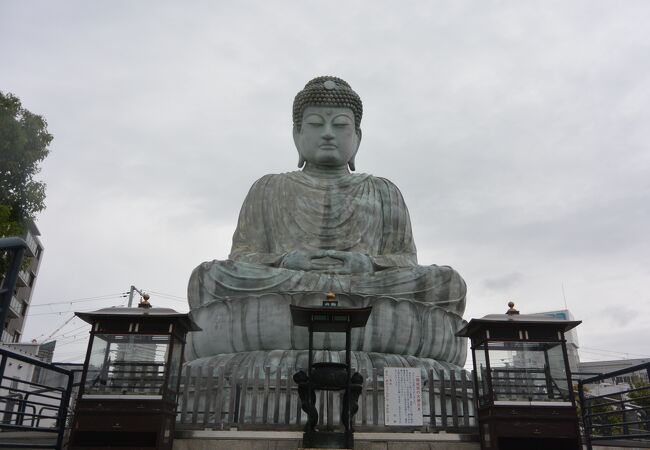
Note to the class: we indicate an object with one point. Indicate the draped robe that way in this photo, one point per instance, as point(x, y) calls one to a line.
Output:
point(352, 212)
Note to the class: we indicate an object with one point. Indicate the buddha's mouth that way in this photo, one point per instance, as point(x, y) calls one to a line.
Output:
point(327, 146)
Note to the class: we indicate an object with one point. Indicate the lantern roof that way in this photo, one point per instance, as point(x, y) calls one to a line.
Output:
point(515, 320)
point(329, 318)
point(122, 313)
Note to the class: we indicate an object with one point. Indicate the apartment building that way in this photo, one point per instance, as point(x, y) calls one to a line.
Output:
point(12, 329)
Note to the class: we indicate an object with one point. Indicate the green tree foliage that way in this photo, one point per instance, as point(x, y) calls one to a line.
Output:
point(641, 398)
point(641, 395)
point(629, 406)
point(23, 145)
point(609, 415)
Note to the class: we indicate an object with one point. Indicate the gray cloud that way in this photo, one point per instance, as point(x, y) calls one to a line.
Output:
point(503, 282)
point(620, 315)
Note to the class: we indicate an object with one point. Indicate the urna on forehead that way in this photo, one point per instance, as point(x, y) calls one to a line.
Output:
point(327, 91)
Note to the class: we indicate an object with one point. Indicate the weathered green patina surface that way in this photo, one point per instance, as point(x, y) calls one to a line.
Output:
point(301, 234)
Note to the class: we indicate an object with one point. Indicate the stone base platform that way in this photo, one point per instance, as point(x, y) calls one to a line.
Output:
point(292, 440)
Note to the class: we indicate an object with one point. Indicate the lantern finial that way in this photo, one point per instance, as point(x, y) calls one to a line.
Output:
point(330, 299)
point(511, 311)
point(144, 302)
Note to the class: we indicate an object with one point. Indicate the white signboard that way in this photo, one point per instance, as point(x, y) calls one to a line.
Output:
point(402, 396)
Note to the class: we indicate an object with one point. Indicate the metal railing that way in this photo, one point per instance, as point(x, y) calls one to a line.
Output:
point(616, 414)
point(268, 400)
point(23, 278)
point(126, 378)
point(31, 243)
point(15, 307)
point(29, 405)
point(528, 384)
point(7, 337)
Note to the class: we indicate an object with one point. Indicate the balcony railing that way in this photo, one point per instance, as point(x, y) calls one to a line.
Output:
point(6, 337)
point(31, 243)
point(23, 279)
point(15, 307)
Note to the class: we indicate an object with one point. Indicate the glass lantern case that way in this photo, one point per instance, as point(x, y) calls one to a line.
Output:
point(522, 382)
point(131, 378)
point(130, 366)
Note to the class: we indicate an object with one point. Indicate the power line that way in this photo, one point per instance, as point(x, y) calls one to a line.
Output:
point(170, 298)
point(72, 352)
point(75, 341)
point(598, 355)
point(63, 335)
point(174, 298)
point(55, 331)
point(43, 334)
point(599, 350)
point(105, 297)
point(68, 311)
point(168, 295)
point(82, 299)
point(79, 355)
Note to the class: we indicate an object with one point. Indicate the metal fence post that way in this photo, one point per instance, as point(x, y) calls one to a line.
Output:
point(586, 423)
point(63, 412)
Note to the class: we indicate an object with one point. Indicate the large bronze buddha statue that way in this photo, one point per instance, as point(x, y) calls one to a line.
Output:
point(322, 228)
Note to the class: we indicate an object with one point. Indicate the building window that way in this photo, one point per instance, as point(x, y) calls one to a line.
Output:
point(17, 336)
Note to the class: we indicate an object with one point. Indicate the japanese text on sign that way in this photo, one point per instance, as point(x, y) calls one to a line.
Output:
point(402, 396)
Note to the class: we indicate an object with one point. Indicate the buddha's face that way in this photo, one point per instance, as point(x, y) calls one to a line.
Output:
point(328, 136)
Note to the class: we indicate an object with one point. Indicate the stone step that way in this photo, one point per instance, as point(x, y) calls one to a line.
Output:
point(292, 440)
point(285, 445)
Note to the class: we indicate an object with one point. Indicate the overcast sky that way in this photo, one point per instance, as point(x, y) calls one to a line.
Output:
point(517, 131)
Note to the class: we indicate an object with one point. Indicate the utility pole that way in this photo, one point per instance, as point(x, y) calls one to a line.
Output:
point(131, 291)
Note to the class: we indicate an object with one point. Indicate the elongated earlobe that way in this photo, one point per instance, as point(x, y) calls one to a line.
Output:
point(351, 162)
point(301, 160)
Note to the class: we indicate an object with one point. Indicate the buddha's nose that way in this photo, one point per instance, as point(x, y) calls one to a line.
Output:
point(328, 132)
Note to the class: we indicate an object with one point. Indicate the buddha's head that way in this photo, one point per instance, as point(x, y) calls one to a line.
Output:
point(326, 123)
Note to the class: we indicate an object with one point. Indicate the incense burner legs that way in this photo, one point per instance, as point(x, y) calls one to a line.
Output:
point(328, 378)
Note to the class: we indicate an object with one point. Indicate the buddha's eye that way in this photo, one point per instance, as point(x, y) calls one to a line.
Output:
point(314, 120)
point(341, 122)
